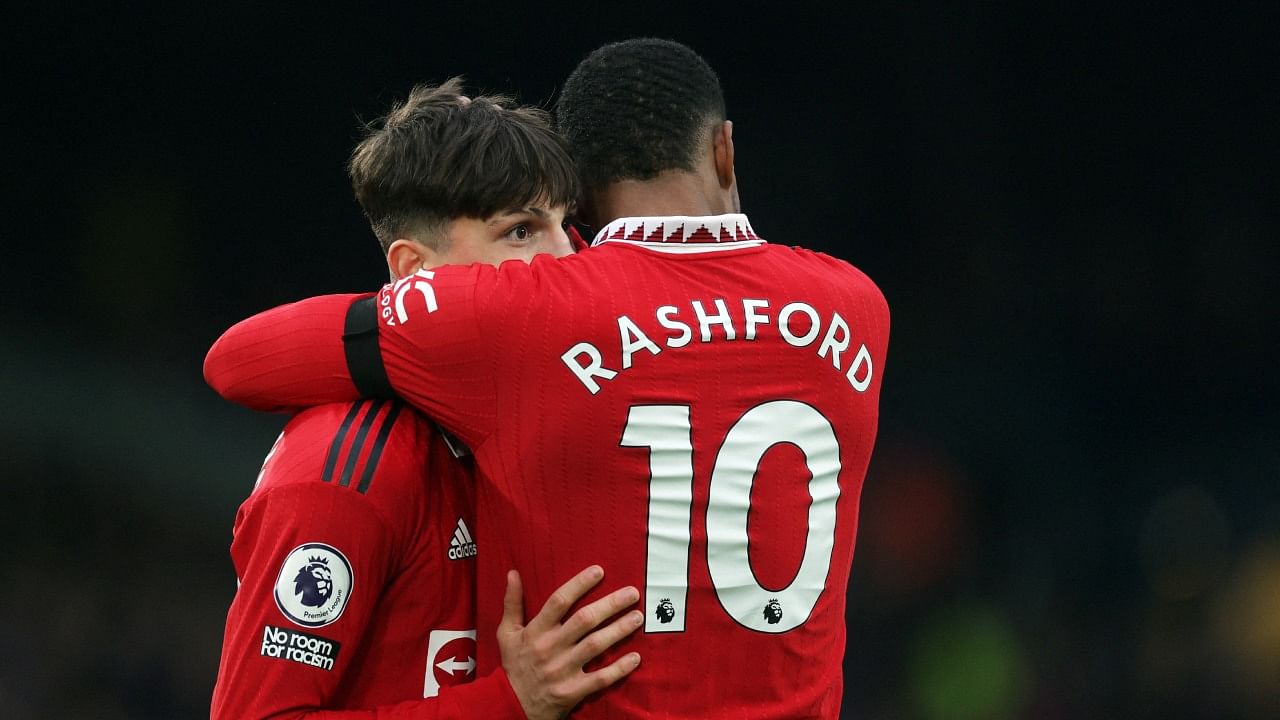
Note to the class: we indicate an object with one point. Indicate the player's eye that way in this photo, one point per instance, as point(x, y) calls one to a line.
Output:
point(520, 232)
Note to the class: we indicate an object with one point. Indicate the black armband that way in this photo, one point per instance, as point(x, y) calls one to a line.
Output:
point(364, 357)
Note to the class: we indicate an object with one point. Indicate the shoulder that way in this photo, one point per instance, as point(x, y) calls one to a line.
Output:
point(836, 270)
point(358, 446)
point(814, 258)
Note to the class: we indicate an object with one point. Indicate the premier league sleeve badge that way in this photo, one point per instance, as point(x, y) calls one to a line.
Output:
point(314, 585)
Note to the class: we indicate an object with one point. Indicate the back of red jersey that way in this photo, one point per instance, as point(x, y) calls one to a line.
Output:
point(696, 417)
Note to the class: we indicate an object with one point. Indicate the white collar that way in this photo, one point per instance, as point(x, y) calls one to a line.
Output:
point(682, 233)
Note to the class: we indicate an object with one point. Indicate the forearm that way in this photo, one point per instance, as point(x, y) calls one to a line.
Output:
point(288, 357)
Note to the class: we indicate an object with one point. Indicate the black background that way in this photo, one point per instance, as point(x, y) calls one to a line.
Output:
point(1073, 509)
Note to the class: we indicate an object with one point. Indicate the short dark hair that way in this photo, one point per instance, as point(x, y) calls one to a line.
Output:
point(634, 109)
point(436, 157)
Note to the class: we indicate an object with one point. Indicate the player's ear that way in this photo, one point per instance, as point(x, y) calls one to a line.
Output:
point(722, 146)
point(406, 257)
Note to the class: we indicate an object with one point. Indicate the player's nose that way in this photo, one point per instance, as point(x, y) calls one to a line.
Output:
point(561, 244)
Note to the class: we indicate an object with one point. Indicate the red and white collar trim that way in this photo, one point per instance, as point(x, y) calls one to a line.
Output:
point(682, 233)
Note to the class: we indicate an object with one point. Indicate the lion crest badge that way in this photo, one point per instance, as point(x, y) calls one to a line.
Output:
point(314, 585)
point(665, 611)
point(773, 611)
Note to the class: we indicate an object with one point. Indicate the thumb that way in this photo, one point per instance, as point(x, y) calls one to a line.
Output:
point(512, 604)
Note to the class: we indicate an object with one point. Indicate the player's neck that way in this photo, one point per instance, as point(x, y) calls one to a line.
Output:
point(671, 193)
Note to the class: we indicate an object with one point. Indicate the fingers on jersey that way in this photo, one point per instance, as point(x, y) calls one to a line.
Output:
point(597, 680)
point(591, 616)
point(597, 642)
point(554, 609)
point(544, 659)
point(512, 605)
point(578, 641)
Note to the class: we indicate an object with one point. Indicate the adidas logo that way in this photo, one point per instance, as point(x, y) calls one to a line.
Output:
point(461, 546)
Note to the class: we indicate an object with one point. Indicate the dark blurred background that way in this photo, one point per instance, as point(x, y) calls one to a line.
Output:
point(1073, 509)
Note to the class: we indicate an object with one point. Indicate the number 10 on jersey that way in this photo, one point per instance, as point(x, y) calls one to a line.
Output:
point(667, 431)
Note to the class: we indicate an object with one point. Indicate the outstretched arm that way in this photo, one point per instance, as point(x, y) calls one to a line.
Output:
point(285, 358)
point(433, 336)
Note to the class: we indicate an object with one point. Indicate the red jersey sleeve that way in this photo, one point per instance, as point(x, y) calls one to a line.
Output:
point(439, 338)
point(489, 697)
point(311, 556)
point(434, 335)
point(291, 356)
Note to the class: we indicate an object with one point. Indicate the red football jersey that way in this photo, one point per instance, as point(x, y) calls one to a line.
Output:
point(683, 403)
point(355, 560)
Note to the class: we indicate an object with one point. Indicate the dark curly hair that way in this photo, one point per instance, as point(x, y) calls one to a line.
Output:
point(636, 108)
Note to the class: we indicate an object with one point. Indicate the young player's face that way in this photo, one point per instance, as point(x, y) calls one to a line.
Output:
point(516, 234)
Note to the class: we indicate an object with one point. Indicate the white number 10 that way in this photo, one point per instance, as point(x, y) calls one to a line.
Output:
point(667, 431)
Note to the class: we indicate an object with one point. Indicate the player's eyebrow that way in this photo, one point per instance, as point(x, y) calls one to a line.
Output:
point(536, 212)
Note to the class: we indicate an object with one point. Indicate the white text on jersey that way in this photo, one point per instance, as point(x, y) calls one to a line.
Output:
point(798, 323)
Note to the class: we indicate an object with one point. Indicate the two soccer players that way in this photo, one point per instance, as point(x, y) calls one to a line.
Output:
point(690, 405)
